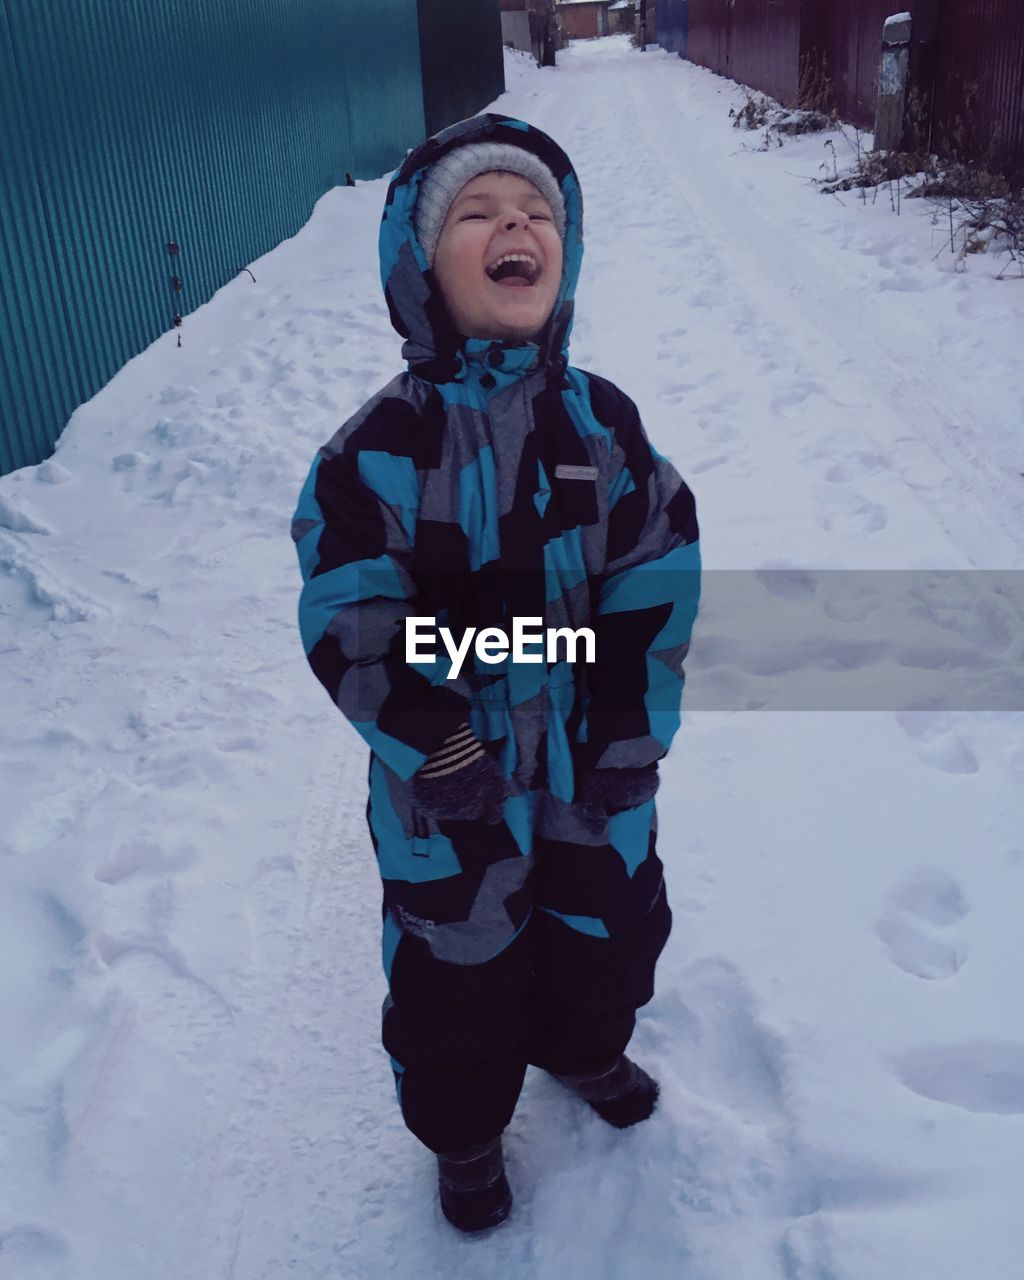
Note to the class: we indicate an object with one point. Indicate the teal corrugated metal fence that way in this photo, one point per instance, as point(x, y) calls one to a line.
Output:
point(128, 125)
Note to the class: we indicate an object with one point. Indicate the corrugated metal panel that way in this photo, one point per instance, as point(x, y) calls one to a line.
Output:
point(847, 36)
point(979, 82)
point(380, 54)
point(127, 124)
point(34, 393)
point(708, 35)
point(671, 25)
point(463, 67)
point(756, 42)
point(765, 50)
point(979, 106)
point(746, 42)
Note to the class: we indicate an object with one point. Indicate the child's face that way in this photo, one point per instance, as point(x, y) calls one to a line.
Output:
point(495, 215)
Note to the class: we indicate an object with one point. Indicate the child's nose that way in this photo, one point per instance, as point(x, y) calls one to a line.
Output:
point(513, 220)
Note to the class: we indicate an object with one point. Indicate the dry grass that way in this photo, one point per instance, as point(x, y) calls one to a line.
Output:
point(983, 211)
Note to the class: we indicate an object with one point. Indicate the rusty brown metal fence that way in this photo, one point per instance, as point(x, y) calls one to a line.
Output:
point(766, 46)
point(975, 61)
point(979, 83)
point(708, 38)
point(846, 37)
point(756, 42)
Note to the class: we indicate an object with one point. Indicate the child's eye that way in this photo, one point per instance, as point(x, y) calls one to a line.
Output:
point(539, 217)
point(467, 216)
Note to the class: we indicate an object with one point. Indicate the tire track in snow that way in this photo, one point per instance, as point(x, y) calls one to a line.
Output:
point(303, 1094)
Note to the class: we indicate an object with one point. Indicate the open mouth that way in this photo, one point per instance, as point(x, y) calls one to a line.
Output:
point(517, 270)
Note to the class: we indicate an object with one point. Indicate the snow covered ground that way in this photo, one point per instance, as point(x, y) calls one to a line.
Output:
point(190, 1078)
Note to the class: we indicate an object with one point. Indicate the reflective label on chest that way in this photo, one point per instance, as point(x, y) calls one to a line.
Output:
point(563, 471)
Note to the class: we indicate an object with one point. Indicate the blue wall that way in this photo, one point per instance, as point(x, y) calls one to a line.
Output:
point(670, 25)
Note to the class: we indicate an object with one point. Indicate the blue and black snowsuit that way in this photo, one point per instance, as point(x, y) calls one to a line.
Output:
point(490, 481)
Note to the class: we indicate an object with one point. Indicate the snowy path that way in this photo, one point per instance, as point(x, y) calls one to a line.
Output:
point(190, 1077)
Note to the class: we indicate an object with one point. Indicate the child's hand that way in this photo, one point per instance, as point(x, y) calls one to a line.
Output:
point(460, 781)
point(610, 791)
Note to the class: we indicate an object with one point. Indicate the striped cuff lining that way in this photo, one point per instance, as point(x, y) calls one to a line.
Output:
point(458, 751)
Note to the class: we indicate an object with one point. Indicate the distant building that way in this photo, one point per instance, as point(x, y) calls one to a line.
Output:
point(584, 19)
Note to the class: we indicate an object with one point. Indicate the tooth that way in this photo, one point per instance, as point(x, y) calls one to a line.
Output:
point(514, 257)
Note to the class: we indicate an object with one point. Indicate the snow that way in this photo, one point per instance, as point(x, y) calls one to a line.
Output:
point(191, 1082)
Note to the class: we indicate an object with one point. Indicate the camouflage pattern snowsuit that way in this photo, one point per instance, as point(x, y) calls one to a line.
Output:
point(490, 481)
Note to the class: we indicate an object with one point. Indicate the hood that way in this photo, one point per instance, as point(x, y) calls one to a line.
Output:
point(432, 347)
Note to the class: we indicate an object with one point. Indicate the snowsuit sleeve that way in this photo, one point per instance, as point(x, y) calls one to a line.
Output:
point(646, 601)
point(353, 533)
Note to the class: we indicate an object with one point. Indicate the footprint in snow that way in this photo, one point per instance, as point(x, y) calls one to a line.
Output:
point(173, 394)
point(908, 284)
point(786, 581)
point(719, 460)
point(938, 744)
point(184, 1012)
point(849, 597)
point(675, 391)
point(793, 397)
point(710, 1028)
point(32, 1253)
point(718, 431)
point(145, 855)
point(954, 756)
point(918, 929)
point(853, 467)
point(854, 513)
point(980, 1075)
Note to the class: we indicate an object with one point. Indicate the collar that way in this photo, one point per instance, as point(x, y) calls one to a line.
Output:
point(492, 365)
point(494, 355)
point(489, 364)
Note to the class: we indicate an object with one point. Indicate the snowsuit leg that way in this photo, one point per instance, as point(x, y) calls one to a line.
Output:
point(601, 921)
point(496, 957)
point(458, 958)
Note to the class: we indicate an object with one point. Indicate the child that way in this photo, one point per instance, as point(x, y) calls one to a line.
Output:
point(511, 807)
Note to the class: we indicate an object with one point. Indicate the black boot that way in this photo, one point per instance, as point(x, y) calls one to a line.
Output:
point(475, 1194)
point(623, 1094)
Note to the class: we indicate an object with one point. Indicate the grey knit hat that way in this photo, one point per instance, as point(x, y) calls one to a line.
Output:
point(446, 178)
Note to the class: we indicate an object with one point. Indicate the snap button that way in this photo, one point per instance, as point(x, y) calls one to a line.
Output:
point(496, 359)
point(487, 381)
